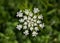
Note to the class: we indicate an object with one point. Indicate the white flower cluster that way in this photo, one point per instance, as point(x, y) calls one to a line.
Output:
point(30, 21)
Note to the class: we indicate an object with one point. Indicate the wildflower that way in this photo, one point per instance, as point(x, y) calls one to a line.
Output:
point(25, 27)
point(19, 14)
point(25, 17)
point(34, 33)
point(40, 17)
point(19, 27)
point(26, 11)
point(26, 32)
point(34, 16)
point(21, 20)
point(34, 20)
point(29, 25)
point(35, 24)
point(36, 28)
point(31, 28)
point(36, 10)
point(25, 23)
point(38, 21)
point(41, 25)
point(29, 18)
point(30, 14)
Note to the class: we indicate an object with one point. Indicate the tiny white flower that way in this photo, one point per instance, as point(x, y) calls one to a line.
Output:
point(31, 28)
point(38, 21)
point(25, 23)
point(34, 20)
point(26, 32)
point(36, 10)
point(25, 27)
point(34, 16)
point(25, 17)
point(41, 25)
point(35, 24)
point(26, 11)
point(30, 14)
point(32, 25)
point(29, 18)
point(19, 14)
point(21, 20)
point(28, 21)
point(31, 22)
point(19, 27)
point(29, 25)
point(34, 33)
point(36, 28)
point(40, 17)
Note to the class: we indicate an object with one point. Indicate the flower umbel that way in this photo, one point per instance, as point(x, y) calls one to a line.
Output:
point(30, 21)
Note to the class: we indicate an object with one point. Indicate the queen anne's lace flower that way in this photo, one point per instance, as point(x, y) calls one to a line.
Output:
point(40, 17)
point(30, 21)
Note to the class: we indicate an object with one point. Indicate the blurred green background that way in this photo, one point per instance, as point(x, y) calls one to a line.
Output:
point(8, 21)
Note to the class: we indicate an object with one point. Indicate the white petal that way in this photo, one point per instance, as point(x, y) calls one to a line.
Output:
point(36, 28)
point(29, 18)
point(25, 23)
point(34, 33)
point(38, 21)
point(40, 17)
point(31, 28)
point(25, 17)
point(34, 16)
point(32, 25)
point(34, 20)
point(21, 20)
point(19, 27)
point(35, 24)
point(26, 32)
point(19, 14)
point(26, 11)
point(24, 27)
point(29, 25)
point(42, 25)
point(36, 10)
point(30, 14)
